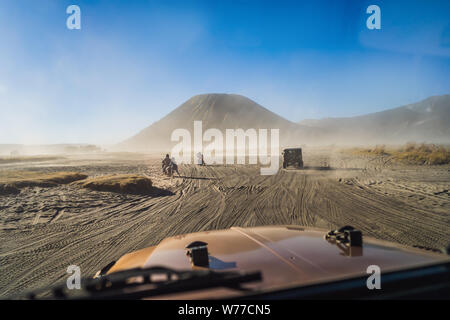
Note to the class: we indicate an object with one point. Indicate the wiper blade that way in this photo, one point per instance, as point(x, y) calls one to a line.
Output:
point(150, 282)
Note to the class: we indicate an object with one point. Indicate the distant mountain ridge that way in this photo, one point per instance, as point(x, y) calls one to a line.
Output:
point(424, 121)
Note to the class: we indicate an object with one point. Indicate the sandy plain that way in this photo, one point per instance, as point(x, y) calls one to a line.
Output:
point(43, 230)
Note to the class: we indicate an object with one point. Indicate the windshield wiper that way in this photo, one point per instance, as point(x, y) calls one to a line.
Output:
point(150, 282)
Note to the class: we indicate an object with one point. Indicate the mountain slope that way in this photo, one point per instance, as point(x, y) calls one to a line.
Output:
point(424, 121)
point(221, 111)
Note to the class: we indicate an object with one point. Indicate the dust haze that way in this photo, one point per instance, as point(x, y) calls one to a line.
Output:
point(393, 192)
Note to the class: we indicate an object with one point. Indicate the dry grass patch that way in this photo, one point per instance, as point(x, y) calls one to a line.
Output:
point(412, 153)
point(12, 181)
point(423, 154)
point(379, 150)
point(121, 183)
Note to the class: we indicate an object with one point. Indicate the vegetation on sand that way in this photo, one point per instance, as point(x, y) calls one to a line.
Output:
point(412, 153)
point(12, 181)
point(121, 183)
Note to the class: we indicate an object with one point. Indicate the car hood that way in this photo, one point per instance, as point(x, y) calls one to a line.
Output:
point(285, 255)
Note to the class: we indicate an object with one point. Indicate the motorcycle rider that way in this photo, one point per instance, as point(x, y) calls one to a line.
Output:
point(166, 163)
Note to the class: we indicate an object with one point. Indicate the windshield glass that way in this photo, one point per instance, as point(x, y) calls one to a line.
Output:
point(132, 129)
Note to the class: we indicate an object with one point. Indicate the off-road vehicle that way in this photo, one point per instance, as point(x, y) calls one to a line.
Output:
point(292, 157)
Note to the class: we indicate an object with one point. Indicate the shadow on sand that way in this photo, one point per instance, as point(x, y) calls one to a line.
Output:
point(158, 192)
point(324, 168)
point(196, 178)
point(153, 192)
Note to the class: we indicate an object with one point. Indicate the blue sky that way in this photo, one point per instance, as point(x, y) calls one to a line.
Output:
point(132, 62)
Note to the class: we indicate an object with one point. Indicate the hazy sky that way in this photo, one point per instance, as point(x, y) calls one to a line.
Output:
point(134, 61)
